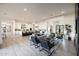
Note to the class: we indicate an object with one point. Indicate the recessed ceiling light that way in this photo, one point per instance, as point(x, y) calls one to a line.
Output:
point(25, 9)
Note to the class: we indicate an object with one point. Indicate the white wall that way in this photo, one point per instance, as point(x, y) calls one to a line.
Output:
point(61, 20)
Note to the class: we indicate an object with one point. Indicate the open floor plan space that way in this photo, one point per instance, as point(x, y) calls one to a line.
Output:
point(39, 29)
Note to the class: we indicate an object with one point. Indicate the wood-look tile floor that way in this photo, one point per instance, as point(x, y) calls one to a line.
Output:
point(20, 46)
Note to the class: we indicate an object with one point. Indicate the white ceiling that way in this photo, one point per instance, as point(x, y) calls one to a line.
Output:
point(34, 11)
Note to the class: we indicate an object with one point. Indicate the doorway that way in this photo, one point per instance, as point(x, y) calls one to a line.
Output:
point(60, 29)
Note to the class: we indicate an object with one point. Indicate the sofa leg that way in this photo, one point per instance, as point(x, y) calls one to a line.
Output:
point(49, 54)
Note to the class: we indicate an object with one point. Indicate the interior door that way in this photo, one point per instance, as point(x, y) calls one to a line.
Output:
point(57, 28)
point(60, 29)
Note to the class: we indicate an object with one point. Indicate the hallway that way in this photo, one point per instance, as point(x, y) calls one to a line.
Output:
point(20, 46)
